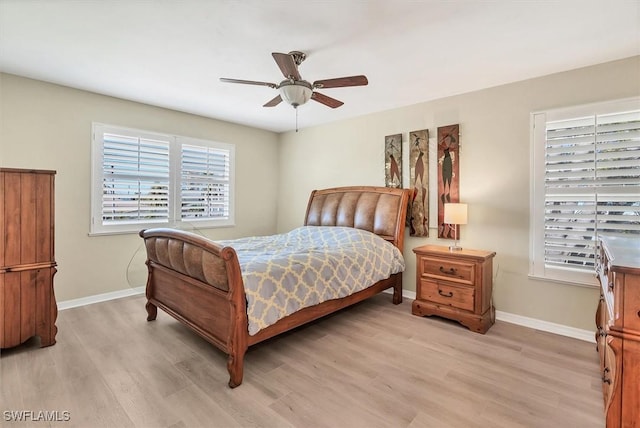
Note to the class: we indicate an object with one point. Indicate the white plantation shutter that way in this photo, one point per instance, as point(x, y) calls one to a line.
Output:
point(618, 174)
point(135, 179)
point(591, 185)
point(142, 179)
point(205, 183)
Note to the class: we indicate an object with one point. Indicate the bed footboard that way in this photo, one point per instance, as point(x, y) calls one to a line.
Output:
point(199, 283)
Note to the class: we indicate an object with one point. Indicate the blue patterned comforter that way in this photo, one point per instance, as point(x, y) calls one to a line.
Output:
point(309, 265)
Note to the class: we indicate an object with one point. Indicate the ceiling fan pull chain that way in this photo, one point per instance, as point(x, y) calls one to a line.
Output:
point(296, 109)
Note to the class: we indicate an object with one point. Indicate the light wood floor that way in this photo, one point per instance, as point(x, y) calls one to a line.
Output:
point(373, 365)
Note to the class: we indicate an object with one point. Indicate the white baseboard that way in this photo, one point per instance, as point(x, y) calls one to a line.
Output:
point(89, 300)
point(550, 327)
point(534, 323)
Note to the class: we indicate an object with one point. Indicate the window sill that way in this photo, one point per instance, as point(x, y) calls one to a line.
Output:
point(585, 284)
point(190, 227)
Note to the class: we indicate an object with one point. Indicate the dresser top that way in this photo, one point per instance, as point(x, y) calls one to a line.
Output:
point(623, 253)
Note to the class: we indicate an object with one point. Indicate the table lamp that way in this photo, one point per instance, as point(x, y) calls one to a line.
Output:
point(455, 214)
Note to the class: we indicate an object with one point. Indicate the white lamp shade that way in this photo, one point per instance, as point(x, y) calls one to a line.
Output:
point(296, 95)
point(455, 213)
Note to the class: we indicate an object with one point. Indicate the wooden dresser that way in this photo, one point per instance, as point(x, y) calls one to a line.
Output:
point(618, 329)
point(455, 285)
point(27, 264)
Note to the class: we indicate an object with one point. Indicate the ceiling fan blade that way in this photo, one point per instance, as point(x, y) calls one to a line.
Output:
point(341, 82)
point(328, 101)
point(287, 65)
point(274, 102)
point(248, 82)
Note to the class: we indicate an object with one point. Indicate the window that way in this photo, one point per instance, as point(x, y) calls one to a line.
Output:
point(585, 182)
point(142, 179)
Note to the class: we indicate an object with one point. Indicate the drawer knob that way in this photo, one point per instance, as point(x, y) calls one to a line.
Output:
point(450, 271)
point(449, 294)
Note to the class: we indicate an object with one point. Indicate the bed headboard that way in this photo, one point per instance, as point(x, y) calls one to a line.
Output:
point(381, 210)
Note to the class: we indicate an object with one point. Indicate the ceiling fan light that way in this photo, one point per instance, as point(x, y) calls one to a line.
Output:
point(295, 94)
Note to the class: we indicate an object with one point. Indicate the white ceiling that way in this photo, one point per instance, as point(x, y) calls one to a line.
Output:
point(172, 53)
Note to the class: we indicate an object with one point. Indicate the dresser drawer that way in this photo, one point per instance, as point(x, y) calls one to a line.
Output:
point(448, 270)
point(457, 296)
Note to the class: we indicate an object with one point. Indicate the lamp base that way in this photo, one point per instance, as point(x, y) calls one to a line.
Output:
point(455, 248)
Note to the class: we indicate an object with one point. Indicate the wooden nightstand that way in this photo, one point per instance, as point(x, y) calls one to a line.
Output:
point(455, 285)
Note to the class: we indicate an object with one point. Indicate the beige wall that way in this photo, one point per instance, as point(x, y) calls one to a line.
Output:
point(49, 127)
point(494, 174)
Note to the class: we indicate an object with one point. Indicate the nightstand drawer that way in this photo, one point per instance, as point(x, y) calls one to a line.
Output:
point(447, 294)
point(448, 270)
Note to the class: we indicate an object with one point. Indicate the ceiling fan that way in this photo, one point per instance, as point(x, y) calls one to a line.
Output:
point(296, 91)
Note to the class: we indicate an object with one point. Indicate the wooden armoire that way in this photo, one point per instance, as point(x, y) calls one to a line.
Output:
point(27, 264)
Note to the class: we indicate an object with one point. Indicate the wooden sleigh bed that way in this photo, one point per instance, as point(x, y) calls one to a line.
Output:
point(200, 283)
